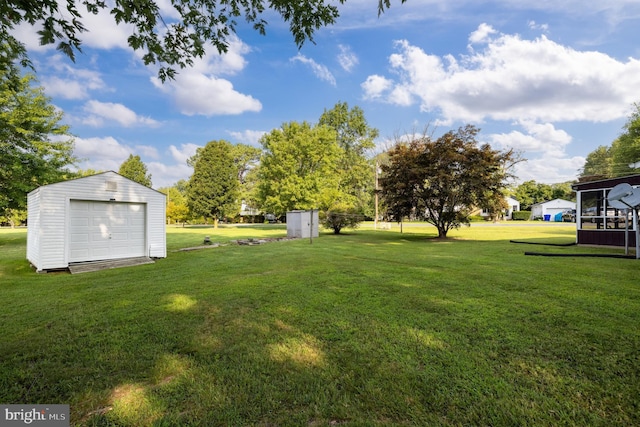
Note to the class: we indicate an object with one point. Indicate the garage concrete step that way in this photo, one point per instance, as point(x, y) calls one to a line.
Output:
point(86, 267)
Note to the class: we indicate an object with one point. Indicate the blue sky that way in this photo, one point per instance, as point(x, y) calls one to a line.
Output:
point(552, 79)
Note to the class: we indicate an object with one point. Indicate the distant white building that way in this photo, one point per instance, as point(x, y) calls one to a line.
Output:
point(99, 217)
point(514, 206)
point(551, 210)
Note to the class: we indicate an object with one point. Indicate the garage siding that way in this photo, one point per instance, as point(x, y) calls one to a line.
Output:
point(51, 207)
point(33, 231)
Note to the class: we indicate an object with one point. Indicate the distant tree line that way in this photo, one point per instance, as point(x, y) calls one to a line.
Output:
point(328, 165)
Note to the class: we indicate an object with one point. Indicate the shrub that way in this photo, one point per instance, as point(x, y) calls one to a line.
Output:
point(339, 219)
point(521, 215)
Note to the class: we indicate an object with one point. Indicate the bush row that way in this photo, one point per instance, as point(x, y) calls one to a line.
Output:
point(521, 215)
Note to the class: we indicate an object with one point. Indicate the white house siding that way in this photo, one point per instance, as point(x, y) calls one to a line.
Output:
point(54, 214)
point(552, 207)
point(514, 206)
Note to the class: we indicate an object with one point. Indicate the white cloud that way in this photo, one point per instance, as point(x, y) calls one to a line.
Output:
point(512, 79)
point(166, 175)
point(229, 63)
point(201, 94)
point(102, 31)
point(320, 71)
point(147, 151)
point(543, 138)
point(481, 35)
point(535, 26)
point(182, 154)
point(108, 154)
point(101, 111)
point(75, 83)
point(198, 90)
point(549, 170)
point(375, 86)
point(64, 88)
point(250, 137)
point(544, 146)
point(105, 153)
point(346, 58)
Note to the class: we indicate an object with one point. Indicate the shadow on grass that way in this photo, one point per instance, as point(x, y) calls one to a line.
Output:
point(363, 329)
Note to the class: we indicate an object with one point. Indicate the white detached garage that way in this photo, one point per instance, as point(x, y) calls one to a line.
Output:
point(99, 217)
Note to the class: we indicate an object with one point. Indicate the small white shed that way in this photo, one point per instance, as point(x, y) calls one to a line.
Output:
point(100, 217)
point(302, 224)
point(550, 209)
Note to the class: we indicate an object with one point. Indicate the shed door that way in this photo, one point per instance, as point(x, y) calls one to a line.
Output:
point(106, 230)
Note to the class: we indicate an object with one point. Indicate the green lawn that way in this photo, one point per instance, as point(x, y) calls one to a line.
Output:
point(368, 328)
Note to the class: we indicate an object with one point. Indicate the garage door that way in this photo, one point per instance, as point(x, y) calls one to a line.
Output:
point(106, 230)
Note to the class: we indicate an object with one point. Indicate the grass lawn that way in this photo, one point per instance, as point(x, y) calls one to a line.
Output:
point(368, 328)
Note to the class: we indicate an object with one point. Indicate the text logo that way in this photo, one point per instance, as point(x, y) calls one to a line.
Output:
point(34, 415)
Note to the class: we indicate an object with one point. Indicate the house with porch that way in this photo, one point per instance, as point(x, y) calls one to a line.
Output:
point(597, 222)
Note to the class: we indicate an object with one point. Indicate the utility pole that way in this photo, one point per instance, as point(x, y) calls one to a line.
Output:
point(375, 219)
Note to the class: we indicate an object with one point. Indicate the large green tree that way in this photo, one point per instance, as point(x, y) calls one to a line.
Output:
point(398, 166)
point(35, 147)
point(619, 159)
point(355, 138)
point(597, 165)
point(445, 179)
point(213, 188)
point(247, 160)
point(298, 168)
point(135, 169)
point(161, 38)
point(625, 151)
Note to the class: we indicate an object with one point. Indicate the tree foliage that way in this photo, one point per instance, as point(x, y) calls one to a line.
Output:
point(35, 148)
point(444, 179)
point(214, 187)
point(618, 159)
point(597, 165)
point(495, 204)
point(161, 39)
point(339, 217)
point(354, 137)
point(247, 160)
point(13, 217)
point(177, 208)
point(397, 181)
point(298, 168)
point(531, 192)
point(626, 149)
point(135, 169)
